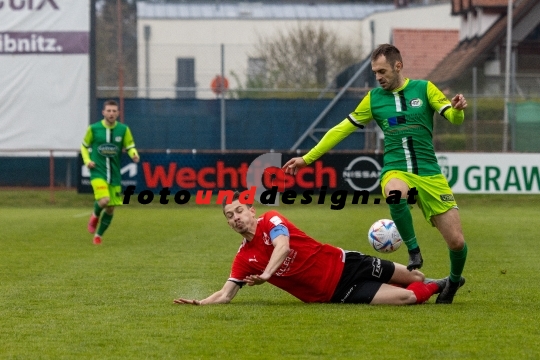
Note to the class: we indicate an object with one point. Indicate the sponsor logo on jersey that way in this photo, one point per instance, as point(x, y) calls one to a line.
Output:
point(377, 269)
point(108, 150)
point(348, 293)
point(416, 103)
point(443, 101)
point(276, 220)
point(286, 265)
point(362, 173)
point(266, 239)
point(447, 197)
point(397, 120)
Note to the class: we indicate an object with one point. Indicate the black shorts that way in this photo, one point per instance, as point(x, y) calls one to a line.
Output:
point(362, 277)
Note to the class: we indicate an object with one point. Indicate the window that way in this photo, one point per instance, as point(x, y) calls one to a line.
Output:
point(185, 77)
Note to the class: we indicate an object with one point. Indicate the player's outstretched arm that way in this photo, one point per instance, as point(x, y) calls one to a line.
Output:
point(223, 296)
point(452, 112)
point(456, 115)
point(280, 252)
point(329, 140)
point(292, 166)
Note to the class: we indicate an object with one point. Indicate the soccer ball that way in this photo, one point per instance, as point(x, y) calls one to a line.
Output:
point(384, 236)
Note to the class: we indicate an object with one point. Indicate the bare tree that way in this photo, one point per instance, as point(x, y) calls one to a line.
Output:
point(307, 57)
point(107, 62)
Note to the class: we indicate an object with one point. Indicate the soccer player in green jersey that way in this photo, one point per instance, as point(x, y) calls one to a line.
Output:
point(403, 109)
point(106, 140)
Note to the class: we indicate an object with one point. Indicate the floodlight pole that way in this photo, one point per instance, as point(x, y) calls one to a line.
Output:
point(147, 34)
point(92, 59)
point(475, 107)
point(222, 100)
point(508, 59)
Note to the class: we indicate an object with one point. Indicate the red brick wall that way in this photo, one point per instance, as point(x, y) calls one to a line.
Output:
point(423, 49)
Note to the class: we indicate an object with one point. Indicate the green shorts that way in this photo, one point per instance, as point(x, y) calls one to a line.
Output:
point(103, 189)
point(434, 195)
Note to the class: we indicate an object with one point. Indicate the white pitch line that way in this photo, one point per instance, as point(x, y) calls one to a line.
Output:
point(81, 215)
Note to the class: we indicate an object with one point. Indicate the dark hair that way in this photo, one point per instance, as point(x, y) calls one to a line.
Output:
point(110, 102)
point(390, 52)
point(235, 197)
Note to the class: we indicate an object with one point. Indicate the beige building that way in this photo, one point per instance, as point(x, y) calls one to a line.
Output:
point(180, 45)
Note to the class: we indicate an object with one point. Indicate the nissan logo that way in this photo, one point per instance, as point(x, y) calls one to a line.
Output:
point(363, 173)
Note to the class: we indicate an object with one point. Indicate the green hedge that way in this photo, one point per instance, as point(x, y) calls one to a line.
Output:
point(487, 109)
point(464, 142)
point(450, 142)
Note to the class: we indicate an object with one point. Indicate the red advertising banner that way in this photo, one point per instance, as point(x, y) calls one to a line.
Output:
point(240, 171)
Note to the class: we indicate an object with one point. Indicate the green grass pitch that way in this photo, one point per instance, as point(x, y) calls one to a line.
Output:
point(61, 297)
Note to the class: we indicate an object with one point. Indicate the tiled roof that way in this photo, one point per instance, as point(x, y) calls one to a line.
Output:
point(471, 52)
point(423, 49)
point(462, 6)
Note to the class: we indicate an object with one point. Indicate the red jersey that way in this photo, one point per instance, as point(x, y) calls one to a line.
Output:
point(310, 272)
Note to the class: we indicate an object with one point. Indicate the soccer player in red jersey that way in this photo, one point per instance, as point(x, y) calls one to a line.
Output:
point(274, 250)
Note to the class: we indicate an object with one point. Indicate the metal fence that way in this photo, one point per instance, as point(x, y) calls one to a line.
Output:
point(177, 76)
point(483, 128)
point(173, 71)
point(279, 124)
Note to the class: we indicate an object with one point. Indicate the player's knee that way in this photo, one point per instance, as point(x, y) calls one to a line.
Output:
point(417, 276)
point(396, 185)
point(407, 298)
point(103, 201)
point(456, 242)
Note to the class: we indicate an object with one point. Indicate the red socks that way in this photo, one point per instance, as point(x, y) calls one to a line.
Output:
point(422, 291)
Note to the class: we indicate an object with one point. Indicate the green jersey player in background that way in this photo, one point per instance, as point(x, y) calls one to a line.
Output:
point(404, 109)
point(106, 139)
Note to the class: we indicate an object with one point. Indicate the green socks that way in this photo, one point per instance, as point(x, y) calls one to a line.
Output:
point(97, 209)
point(104, 223)
point(401, 215)
point(457, 263)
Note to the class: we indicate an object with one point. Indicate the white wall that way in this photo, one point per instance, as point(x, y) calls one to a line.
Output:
point(475, 25)
point(201, 39)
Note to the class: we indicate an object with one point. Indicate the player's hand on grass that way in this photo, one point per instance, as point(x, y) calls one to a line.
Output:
point(91, 165)
point(187, 301)
point(292, 166)
point(459, 102)
point(252, 280)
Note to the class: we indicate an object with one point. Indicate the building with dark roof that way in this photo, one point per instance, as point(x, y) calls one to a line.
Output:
point(484, 47)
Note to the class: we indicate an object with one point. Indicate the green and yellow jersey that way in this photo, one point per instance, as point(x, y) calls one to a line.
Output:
point(405, 115)
point(106, 143)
